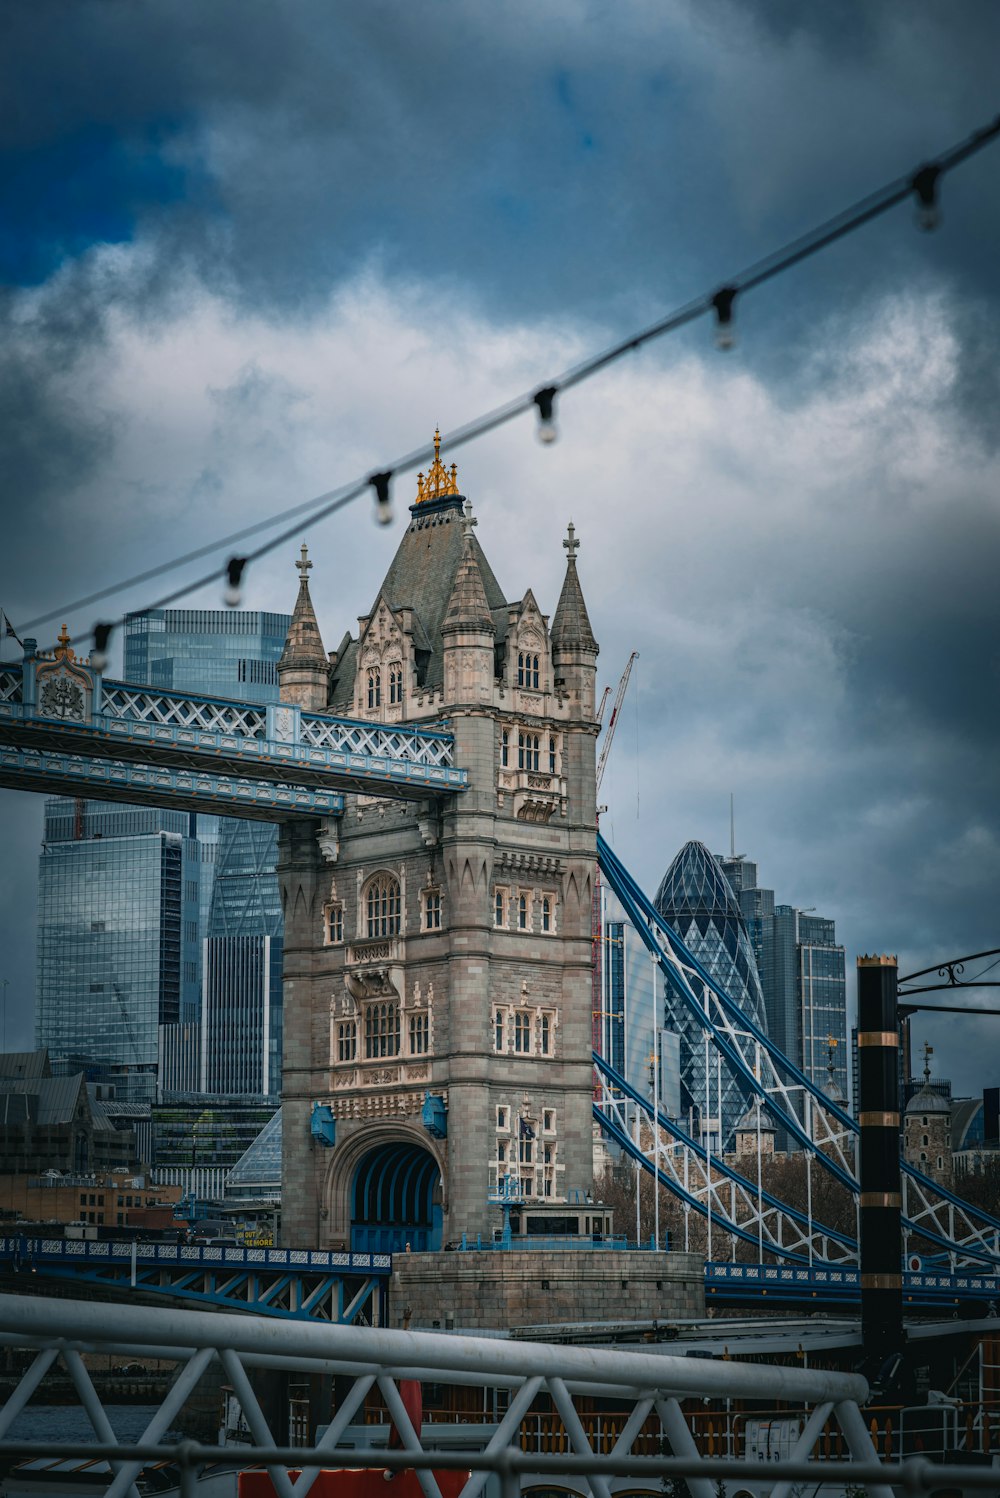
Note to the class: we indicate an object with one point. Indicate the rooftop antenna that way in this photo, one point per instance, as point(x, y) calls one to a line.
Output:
point(732, 827)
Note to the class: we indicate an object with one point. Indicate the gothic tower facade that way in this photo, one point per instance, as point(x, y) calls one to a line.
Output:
point(438, 955)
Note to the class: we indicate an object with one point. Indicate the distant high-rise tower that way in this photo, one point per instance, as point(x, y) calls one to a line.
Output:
point(698, 901)
point(802, 974)
point(125, 891)
point(117, 938)
point(227, 653)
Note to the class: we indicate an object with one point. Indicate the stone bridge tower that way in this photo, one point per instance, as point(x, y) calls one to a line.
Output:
point(438, 956)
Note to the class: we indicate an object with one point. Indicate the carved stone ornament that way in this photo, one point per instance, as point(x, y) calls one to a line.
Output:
point(374, 984)
point(61, 697)
point(284, 721)
point(328, 837)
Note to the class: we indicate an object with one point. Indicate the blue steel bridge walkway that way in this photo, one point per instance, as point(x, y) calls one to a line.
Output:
point(64, 730)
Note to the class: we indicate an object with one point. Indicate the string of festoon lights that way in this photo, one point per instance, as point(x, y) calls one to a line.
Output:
point(921, 185)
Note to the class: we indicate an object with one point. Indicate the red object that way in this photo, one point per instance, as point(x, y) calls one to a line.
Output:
point(355, 1482)
point(412, 1396)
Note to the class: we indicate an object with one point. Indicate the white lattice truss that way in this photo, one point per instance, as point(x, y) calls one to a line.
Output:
point(648, 1389)
point(735, 1206)
point(10, 685)
point(241, 720)
point(821, 1127)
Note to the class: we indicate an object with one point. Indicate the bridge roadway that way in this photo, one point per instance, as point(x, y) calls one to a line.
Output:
point(329, 1285)
point(294, 1284)
point(64, 730)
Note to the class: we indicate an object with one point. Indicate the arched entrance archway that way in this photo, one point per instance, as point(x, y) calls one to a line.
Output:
point(393, 1200)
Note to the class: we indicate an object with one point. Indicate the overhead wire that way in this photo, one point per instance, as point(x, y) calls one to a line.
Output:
point(923, 183)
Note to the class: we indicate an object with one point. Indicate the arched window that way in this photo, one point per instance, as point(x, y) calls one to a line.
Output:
point(522, 1032)
point(500, 907)
point(395, 682)
point(383, 907)
point(505, 749)
point(925, 1140)
point(522, 913)
point(546, 913)
point(923, 1157)
point(527, 751)
point(374, 686)
point(335, 924)
point(381, 1030)
point(498, 1038)
point(545, 1035)
point(420, 1033)
point(552, 755)
point(432, 910)
point(534, 670)
point(347, 1041)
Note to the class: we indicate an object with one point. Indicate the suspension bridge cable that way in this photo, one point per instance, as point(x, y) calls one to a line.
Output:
point(923, 183)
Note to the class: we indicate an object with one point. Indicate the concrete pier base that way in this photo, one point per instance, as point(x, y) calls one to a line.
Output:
point(489, 1290)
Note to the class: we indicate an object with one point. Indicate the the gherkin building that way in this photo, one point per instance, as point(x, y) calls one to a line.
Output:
point(697, 900)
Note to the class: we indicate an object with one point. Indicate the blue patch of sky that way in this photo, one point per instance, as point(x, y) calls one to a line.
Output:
point(91, 187)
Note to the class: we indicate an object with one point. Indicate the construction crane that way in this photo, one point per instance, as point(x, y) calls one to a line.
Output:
point(613, 720)
point(603, 705)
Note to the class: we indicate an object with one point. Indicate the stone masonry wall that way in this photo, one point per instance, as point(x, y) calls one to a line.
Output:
point(484, 1290)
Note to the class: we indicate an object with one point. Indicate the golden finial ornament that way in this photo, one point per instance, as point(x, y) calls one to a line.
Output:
point(439, 481)
point(62, 650)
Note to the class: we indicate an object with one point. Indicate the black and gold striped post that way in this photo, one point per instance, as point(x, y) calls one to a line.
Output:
point(879, 1228)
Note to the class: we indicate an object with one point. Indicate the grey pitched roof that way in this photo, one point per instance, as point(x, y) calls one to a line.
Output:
point(421, 577)
point(58, 1097)
point(24, 1064)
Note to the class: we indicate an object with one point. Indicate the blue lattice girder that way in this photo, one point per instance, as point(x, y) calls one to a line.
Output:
point(277, 743)
point(143, 784)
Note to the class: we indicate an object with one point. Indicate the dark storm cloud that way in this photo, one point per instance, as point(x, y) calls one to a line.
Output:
point(828, 651)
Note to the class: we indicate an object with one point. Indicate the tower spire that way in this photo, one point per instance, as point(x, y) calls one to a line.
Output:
point(303, 668)
point(571, 623)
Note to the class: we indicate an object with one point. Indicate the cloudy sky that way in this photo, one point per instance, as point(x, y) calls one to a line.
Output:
point(250, 251)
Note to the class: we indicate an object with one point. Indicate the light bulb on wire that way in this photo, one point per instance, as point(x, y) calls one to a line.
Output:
point(545, 401)
point(233, 591)
point(924, 184)
point(99, 654)
point(725, 333)
point(383, 501)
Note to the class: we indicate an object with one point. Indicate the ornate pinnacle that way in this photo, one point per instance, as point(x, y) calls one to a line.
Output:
point(571, 544)
point(440, 481)
point(304, 565)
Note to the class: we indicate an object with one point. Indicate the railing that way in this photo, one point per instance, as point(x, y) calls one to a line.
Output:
point(20, 1250)
point(569, 1446)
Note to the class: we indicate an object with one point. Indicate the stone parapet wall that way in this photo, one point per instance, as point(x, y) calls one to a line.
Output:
point(497, 1290)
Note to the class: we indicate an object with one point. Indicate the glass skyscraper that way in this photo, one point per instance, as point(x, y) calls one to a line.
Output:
point(117, 938)
point(803, 976)
point(125, 893)
point(697, 900)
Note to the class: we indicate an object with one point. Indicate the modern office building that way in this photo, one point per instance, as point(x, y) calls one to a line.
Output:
point(635, 1037)
point(699, 902)
point(803, 977)
point(241, 995)
point(125, 892)
point(225, 653)
point(117, 939)
point(219, 653)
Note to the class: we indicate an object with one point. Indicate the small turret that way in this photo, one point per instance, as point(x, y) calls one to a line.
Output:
point(574, 649)
point(303, 670)
point(468, 630)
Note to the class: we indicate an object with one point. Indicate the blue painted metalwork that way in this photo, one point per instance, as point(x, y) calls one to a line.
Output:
point(136, 782)
point(296, 1284)
point(323, 1125)
point(743, 1282)
point(434, 1117)
point(719, 1167)
point(676, 962)
point(59, 705)
point(393, 1200)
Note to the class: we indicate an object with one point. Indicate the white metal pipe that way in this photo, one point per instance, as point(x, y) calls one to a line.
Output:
point(254, 1415)
point(577, 1435)
point(504, 1433)
point(859, 1442)
point(804, 1445)
point(682, 1444)
point(160, 1423)
point(91, 1402)
point(409, 1438)
point(341, 1420)
point(359, 1350)
point(27, 1386)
